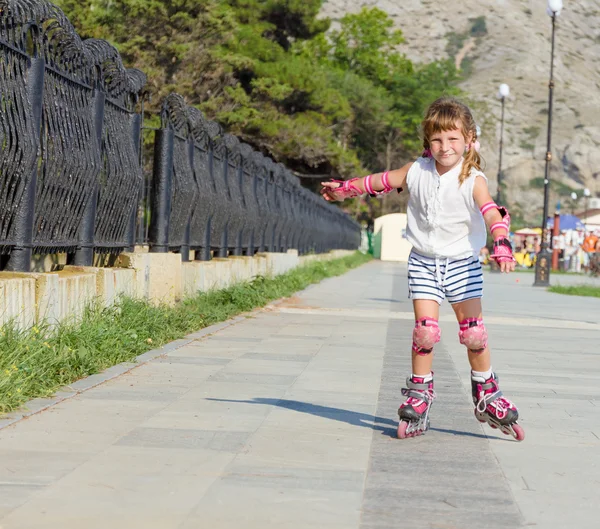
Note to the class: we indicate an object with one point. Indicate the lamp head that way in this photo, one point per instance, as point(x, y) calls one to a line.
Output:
point(554, 7)
point(587, 192)
point(574, 195)
point(503, 90)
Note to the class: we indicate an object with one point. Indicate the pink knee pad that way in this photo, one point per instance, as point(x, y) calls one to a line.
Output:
point(425, 335)
point(473, 334)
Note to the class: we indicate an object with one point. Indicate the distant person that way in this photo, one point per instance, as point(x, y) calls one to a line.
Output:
point(448, 209)
point(536, 248)
point(589, 246)
point(570, 257)
point(559, 243)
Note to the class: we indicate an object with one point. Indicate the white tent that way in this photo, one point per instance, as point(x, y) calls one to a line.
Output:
point(528, 231)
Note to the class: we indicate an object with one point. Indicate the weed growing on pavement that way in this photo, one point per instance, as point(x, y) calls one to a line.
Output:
point(38, 361)
point(578, 290)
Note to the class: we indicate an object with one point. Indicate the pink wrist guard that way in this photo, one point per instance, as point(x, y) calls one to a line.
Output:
point(502, 251)
point(347, 188)
point(384, 180)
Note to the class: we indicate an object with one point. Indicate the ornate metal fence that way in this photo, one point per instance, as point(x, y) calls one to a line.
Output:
point(213, 194)
point(70, 164)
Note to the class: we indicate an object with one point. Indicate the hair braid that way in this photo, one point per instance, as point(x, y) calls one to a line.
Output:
point(472, 160)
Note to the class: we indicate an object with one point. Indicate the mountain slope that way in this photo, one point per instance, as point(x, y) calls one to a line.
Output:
point(508, 41)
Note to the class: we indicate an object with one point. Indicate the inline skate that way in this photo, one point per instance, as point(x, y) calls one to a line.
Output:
point(414, 412)
point(493, 408)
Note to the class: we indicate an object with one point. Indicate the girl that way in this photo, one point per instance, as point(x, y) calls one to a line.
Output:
point(448, 209)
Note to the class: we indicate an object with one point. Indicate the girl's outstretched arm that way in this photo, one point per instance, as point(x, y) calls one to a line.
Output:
point(497, 223)
point(373, 184)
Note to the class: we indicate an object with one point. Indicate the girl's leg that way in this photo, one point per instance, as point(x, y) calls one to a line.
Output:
point(469, 309)
point(414, 412)
point(490, 405)
point(424, 308)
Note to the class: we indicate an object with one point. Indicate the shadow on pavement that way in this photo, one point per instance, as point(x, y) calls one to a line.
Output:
point(469, 434)
point(385, 426)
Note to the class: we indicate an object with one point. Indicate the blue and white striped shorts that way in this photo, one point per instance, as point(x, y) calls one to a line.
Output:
point(438, 277)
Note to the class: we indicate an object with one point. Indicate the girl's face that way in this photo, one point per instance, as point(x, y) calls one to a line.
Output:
point(447, 147)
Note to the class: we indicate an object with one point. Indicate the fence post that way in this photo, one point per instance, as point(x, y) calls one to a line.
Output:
point(20, 256)
point(205, 253)
point(136, 133)
point(185, 247)
point(161, 191)
point(84, 256)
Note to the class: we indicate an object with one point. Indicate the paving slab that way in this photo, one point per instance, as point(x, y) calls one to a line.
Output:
point(287, 419)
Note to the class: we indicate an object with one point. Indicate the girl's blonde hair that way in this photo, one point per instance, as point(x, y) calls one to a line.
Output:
point(441, 116)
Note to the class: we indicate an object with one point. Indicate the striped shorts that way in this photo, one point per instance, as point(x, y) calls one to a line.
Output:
point(437, 278)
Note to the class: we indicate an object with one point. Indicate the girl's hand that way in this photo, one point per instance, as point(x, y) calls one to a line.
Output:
point(507, 266)
point(329, 191)
point(340, 189)
point(503, 255)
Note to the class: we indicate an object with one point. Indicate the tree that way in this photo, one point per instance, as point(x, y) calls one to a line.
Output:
point(323, 102)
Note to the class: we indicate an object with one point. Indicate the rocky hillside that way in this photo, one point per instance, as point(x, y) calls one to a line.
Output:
point(508, 41)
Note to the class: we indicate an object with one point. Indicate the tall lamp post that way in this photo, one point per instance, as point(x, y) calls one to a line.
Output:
point(574, 202)
point(542, 264)
point(503, 93)
point(586, 196)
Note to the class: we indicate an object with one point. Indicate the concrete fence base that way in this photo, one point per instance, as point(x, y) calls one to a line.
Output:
point(27, 299)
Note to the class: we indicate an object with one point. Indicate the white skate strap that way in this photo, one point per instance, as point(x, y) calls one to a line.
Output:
point(491, 397)
point(422, 386)
point(420, 395)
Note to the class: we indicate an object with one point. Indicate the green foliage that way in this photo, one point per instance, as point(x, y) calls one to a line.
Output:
point(478, 27)
point(533, 131)
point(366, 45)
point(560, 188)
point(36, 362)
point(320, 101)
point(579, 290)
point(526, 145)
point(455, 42)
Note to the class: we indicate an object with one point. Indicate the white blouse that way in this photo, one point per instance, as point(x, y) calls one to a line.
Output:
point(443, 218)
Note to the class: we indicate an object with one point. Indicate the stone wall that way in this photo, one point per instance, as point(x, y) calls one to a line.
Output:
point(28, 299)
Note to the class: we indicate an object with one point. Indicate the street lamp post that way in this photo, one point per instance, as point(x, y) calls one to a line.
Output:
point(574, 202)
point(586, 196)
point(503, 93)
point(542, 265)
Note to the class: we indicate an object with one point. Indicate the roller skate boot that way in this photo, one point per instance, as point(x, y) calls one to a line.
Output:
point(493, 408)
point(414, 412)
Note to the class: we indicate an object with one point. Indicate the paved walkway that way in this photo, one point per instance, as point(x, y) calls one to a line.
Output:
point(287, 420)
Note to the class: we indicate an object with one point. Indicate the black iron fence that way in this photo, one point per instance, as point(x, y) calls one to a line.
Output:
point(71, 176)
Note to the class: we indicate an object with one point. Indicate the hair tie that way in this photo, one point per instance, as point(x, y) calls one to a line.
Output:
point(475, 144)
point(426, 153)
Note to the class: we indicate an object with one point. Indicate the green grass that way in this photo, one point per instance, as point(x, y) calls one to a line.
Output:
point(579, 290)
point(38, 361)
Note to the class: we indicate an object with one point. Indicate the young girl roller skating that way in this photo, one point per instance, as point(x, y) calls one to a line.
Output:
point(448, 210)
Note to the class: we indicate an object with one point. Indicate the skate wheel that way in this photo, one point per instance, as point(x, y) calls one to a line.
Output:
point(402, 426)
point(519, 432)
